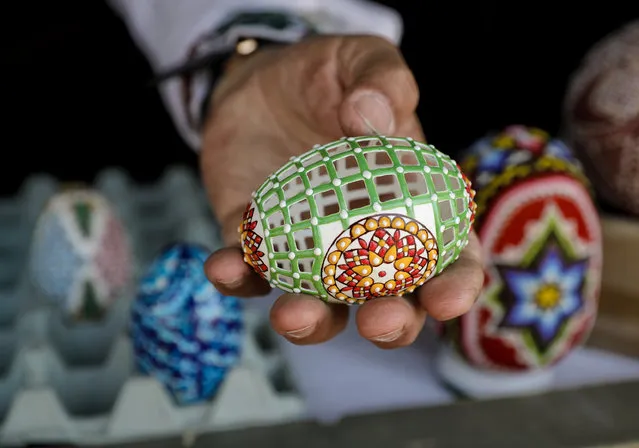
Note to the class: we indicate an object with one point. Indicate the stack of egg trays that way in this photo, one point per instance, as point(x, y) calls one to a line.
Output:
point(62, 384)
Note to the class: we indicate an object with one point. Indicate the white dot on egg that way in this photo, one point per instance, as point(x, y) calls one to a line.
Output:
point(337, 182)
point(282, 204)
point(427, 169)
point(287, 228)
point(350, 139)
point(343, 214)
point(316, 278)
point(317, 251)
point(297, 290)
point(408, 202)
point(367, 174)
point(445, 170)
point(300, 169)
point(357, 150)
point(309, 192)
point(291, 255)
point(326, 159)
point(271, 256)
point(314, 221)
point(267, 232)
point(400, 169)
point(457, 220)
point(410, 139)
point(442, 228)
point(317, 145)
point(433, 197)
point(323, 296)
point(262, 215)
point(296, 275)
point(276, 185)
point(389, 146)
point(253, 194)
point(458, 243)
point(273, 270)
point(377, 207)
point(292, 158)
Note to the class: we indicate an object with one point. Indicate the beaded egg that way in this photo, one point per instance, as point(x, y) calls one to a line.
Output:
point(184, 332)
point(359, 218)
point(601, 116)
point(542, 247)
point(81, 256)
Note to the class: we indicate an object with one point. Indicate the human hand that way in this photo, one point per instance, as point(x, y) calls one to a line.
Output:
point(277, 104)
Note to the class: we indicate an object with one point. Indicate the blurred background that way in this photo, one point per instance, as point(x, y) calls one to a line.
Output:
point(75, 100)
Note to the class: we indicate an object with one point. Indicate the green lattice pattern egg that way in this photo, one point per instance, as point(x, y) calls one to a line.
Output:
point(359, 218)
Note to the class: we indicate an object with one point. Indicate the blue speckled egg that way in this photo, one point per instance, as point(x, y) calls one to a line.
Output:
point(185, 333)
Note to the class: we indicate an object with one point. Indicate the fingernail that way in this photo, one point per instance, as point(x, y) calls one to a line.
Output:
point(300, 332)
point(375, 112)
point(232, 284)
point(389, 337)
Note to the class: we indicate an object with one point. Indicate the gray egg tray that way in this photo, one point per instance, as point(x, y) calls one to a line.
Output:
point(78, 384)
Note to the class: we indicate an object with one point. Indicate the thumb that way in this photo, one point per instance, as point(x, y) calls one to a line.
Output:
point(380, 92)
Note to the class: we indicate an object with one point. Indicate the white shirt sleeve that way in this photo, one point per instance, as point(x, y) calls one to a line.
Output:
point(166, 31)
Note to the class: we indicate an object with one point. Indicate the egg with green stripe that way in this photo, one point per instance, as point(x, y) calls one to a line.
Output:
point(359, 218)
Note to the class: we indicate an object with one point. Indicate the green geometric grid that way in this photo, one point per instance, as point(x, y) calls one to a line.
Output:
point(274, 203)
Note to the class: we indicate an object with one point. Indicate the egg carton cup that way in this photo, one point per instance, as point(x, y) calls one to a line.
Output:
point(62, 383)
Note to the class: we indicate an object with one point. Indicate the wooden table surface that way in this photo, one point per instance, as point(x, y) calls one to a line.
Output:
point(617, 326)
point(595, 417)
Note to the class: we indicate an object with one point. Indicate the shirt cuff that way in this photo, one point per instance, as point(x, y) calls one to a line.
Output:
point(168, 33)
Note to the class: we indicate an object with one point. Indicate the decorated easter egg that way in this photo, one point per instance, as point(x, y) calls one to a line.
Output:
point(542, 248)
point(184, 332)
point(359, 218)
point(602, 116)
point(80, 254)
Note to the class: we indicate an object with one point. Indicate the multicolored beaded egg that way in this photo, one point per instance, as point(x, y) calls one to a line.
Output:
point(602, 116)
point(359, 218)
point(542, 247)
point(184, 332)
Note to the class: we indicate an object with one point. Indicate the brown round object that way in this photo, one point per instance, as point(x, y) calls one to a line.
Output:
point(602, 116)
